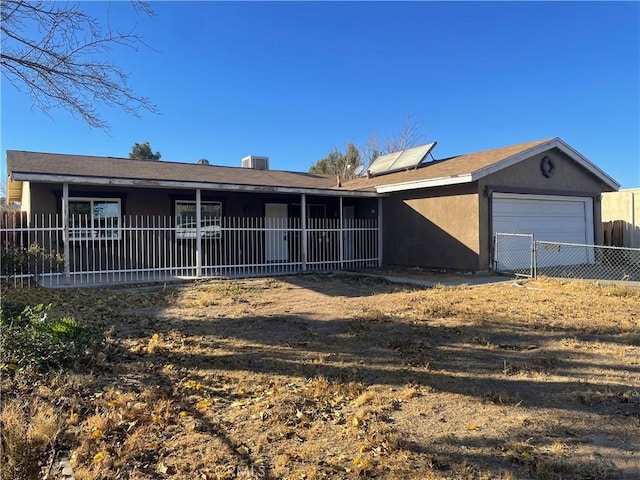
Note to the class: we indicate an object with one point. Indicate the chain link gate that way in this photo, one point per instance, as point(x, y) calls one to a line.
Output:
point(514, 254)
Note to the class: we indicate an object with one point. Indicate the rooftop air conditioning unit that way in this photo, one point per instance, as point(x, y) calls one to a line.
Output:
point(255, 162)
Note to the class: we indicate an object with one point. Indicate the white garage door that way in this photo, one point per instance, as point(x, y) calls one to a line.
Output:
point(549, 218)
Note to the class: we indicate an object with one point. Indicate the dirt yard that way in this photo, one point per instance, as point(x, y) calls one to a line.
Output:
point(342, 377)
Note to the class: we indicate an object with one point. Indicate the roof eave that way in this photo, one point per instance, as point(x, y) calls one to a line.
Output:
point(541, 148)
point(145, 183)
point(495, 167)
point(428, 183)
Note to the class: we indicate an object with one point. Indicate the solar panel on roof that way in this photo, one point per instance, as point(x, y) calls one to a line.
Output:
point(402, 160)
point(384, 162)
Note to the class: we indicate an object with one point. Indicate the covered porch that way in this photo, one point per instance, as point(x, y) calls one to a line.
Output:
point(88, 239)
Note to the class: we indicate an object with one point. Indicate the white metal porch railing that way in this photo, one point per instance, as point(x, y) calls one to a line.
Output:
point(151, 248)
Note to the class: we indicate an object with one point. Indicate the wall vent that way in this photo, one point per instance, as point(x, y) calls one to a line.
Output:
point(255, 162)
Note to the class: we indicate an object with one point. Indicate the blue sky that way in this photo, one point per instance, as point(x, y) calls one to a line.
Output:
point(294, 80)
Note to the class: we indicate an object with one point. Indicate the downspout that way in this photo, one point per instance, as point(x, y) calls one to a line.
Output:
point(493, 264)
point(379, 231)
point(65, 231)
point(198, 235)
point(303, 231)
point(341, 236)
point(632, 236)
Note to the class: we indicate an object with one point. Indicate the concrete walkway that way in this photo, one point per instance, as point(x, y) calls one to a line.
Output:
point(475, 280)
point(450, 281)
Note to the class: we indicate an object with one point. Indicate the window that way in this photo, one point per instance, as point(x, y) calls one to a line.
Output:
point(316, 211)
point(210, 219)
point(91, 218)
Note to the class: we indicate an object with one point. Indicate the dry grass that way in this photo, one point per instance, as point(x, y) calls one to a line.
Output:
point(29, 432)
point(338, 377)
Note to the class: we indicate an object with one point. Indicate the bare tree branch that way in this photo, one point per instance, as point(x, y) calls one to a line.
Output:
point(409, 136)
point(53, 52)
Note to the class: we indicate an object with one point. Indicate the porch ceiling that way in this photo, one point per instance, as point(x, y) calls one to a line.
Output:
point(18, 177)
point(14, 191)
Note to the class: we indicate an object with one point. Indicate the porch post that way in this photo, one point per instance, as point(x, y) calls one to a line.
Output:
point(341, 237)
point(303, 231)
point(198, 235)
point(65, 231)
point(379, 231)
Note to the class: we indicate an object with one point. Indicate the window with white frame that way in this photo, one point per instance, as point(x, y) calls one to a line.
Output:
point(94, 218)
point(210, 219)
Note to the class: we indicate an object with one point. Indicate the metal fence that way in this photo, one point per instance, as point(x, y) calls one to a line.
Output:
point(513, 253)
point(153, 248)
point(522, 255)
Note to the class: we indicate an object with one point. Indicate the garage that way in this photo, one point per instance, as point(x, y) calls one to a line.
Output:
point(550, 218)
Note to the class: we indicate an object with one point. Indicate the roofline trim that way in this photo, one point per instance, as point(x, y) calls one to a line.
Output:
point(543, 147)
point(507, 162)
point(431, 182)
point(82, 180)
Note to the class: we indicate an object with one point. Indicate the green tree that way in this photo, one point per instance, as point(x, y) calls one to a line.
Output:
point(339, 163)
point(54, 51)
point(143, 152)
point(355, 161)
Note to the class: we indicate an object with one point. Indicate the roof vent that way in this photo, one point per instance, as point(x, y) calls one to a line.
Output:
point(203, 161)
point(255, 162)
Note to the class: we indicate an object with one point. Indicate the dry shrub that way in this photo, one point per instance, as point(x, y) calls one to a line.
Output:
point(123, 434)
point(28, 433)
point(631, 338)
point(373, 315)
point(365, 398)
point(535, 365)
point(606, 396)
point(556, 463)
point(620, 291)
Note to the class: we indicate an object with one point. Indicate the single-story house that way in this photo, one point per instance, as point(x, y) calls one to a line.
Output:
point(438, 213)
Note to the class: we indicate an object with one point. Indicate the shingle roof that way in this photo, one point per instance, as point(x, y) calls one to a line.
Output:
point(463, 168)
point(455, 166)
point(31, 163)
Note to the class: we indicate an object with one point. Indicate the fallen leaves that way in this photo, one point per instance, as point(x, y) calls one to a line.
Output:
point(242, 450)
point(204, 404)
point(206, 393)
point(192, 385)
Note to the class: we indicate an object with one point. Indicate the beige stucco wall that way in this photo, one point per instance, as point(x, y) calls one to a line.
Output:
point(432, 228)
point(568, 176)
point(25, 201)
point(624, 205)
